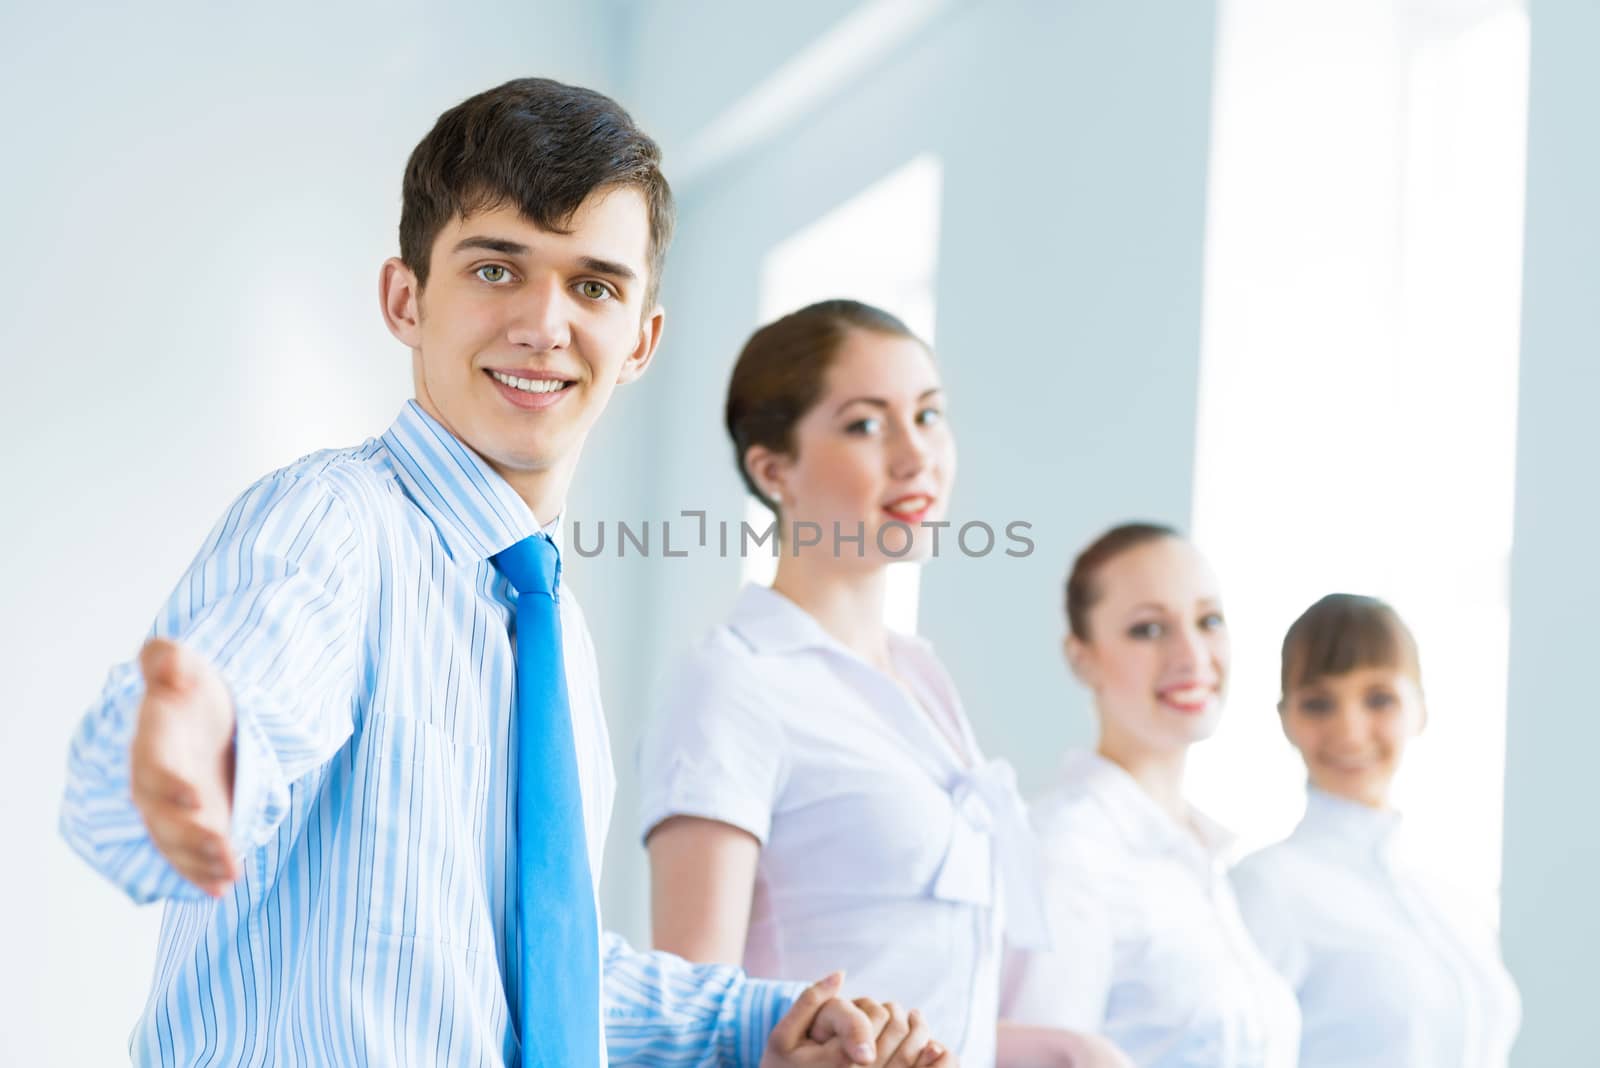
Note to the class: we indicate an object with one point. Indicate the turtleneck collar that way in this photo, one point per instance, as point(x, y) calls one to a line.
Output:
point(1354, 828)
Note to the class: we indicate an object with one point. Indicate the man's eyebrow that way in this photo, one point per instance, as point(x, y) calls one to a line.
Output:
point(619, 271)
point(506, 247)
point(492, 244)
point(879, 402)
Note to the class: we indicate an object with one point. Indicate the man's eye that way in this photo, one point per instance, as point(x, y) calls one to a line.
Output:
point(1380, 700)
point(493, 273)
point(594, 290)
point(1316, 706)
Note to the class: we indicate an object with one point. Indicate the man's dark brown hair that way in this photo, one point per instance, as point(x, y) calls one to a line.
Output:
point(541, 146)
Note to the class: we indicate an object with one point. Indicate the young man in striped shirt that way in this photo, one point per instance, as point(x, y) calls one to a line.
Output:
point(313, 759)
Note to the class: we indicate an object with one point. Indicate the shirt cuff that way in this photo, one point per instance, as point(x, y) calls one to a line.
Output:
point(260, 794)
point(98, 817)
point(759, 1005)
point(244, 816)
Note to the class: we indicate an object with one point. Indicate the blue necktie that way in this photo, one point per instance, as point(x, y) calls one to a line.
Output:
point(558, 951)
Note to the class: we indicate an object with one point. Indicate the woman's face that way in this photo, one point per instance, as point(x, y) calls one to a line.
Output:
point(872, 457)
point(1351, 730)
point(1156, 655)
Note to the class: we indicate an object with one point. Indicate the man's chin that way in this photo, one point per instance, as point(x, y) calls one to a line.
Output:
point(515, 457)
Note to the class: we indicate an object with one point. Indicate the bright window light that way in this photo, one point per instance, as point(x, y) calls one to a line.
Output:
point(1358, 386)
point(881, 247)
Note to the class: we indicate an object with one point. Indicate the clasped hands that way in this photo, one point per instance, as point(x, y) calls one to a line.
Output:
point(823, 1029)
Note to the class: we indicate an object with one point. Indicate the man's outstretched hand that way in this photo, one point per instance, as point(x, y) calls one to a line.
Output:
point(822, 1029)
point(181, 763)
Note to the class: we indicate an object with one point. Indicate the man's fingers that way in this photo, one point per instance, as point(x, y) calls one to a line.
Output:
point(165, 666)
point(200, 854)
point(153, 783)
point(211, 876)
point(188, 845)
point(791, 1031)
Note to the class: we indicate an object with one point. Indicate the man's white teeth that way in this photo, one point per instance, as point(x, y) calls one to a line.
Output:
point(529, 385)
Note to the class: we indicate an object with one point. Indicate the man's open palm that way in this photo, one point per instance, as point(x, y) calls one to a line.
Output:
point(182, 763)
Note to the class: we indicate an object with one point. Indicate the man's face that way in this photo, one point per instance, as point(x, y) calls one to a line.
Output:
point(521, 334)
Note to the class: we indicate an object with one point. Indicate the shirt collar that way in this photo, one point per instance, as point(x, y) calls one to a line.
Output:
point(772, 624)
point(1344, 823)
point(1136, 815)
point(475, 511)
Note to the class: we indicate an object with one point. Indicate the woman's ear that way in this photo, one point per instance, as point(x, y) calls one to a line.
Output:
point(769, 470)
point(1283, 721)
point(1079, 659)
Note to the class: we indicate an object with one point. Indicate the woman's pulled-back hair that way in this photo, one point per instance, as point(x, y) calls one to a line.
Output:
point(1082, 593)
point(782, 372)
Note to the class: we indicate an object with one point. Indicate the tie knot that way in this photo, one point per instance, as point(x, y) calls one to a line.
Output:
point(533, 565)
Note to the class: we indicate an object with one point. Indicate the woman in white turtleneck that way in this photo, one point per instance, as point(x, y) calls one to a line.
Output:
point(1388, 973)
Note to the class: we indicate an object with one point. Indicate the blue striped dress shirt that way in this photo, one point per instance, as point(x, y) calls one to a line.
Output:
point(349, 602)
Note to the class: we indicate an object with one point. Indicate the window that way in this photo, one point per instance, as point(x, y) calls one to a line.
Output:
point(1358, 384)
point(880, 247)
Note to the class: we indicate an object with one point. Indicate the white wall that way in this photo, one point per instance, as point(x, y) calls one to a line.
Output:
point(196, 199)
point(1551, 926)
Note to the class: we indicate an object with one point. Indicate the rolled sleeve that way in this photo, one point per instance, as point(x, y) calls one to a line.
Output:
point(274, 601)
point(663, 1010)
point(98, 818)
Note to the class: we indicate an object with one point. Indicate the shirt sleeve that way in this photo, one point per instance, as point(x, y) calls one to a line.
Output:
point(274, 601)
point(714, 749)
point(1266, 913)
point(1068, 985)
point(660, 1010)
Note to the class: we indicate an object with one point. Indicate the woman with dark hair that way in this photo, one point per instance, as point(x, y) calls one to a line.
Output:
point(1389, 972)
point(1151, 951)
point(804, 714)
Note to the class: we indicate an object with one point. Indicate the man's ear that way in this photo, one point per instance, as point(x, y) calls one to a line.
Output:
point(644, 352)
point(400, 296)
point(769, 470)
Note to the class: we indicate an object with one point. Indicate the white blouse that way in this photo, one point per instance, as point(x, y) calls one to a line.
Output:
point(1151, 950)
point(890, 847)
point(1389, 971)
